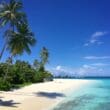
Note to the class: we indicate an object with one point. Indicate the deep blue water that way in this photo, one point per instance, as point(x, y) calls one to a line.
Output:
point(94, 96)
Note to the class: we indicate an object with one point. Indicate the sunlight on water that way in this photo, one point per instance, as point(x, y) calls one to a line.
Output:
point(95, 96)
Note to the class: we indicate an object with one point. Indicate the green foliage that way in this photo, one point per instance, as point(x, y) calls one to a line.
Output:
point(21, 41)
point(5, 84)
point(11, 16)
point(18, 39)
point(39, 76)
point(21, 73)
point(48, 75)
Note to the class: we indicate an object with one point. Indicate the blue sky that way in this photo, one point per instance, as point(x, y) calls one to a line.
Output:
point(76, 32)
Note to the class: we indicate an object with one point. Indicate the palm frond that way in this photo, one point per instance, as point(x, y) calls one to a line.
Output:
point(21, 41)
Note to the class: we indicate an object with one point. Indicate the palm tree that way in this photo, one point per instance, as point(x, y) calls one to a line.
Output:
point(44, 56)
point(11, 15)
point(21, 41)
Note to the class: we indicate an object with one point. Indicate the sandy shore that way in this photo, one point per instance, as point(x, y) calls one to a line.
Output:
point(40, 96)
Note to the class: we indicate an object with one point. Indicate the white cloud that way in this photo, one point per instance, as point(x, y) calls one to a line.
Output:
point(58, 67)
point(87, 70)
point(63, 71)
point(100, 64)
point(97, 57)
point(98, 34)
point(86, 66)
point(95, 38)
point(96, 69)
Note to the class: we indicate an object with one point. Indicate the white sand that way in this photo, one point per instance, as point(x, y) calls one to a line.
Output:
point(50, 93)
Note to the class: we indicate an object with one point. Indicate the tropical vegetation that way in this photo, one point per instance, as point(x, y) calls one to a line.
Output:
point(18, 38)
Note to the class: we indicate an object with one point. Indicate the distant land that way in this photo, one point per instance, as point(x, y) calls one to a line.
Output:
point(84, 77)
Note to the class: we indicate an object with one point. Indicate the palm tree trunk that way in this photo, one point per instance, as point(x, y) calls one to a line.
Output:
point(2, 51)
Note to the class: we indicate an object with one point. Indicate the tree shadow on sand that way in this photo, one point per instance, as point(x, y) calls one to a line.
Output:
point(9, 103)
point(52, 95)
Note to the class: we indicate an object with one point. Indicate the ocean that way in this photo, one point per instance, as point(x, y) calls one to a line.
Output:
point(93, 96)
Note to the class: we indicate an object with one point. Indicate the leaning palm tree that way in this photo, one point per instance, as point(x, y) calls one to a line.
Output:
point(11, 15)
point(21, 41)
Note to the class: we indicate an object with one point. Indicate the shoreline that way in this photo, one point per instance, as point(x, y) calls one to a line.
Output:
point(40, 96)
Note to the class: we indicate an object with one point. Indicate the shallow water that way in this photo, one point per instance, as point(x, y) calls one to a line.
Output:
point(94, 96)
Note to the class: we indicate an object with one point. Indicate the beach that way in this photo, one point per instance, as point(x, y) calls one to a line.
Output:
point(40, 96)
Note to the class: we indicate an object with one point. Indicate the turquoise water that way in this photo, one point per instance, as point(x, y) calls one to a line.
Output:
point(94, 96)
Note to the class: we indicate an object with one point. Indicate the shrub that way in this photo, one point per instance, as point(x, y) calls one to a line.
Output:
point(5, 85)
point(42, 76)
point(20, 73)
point(39, 76)
point(48, 74)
